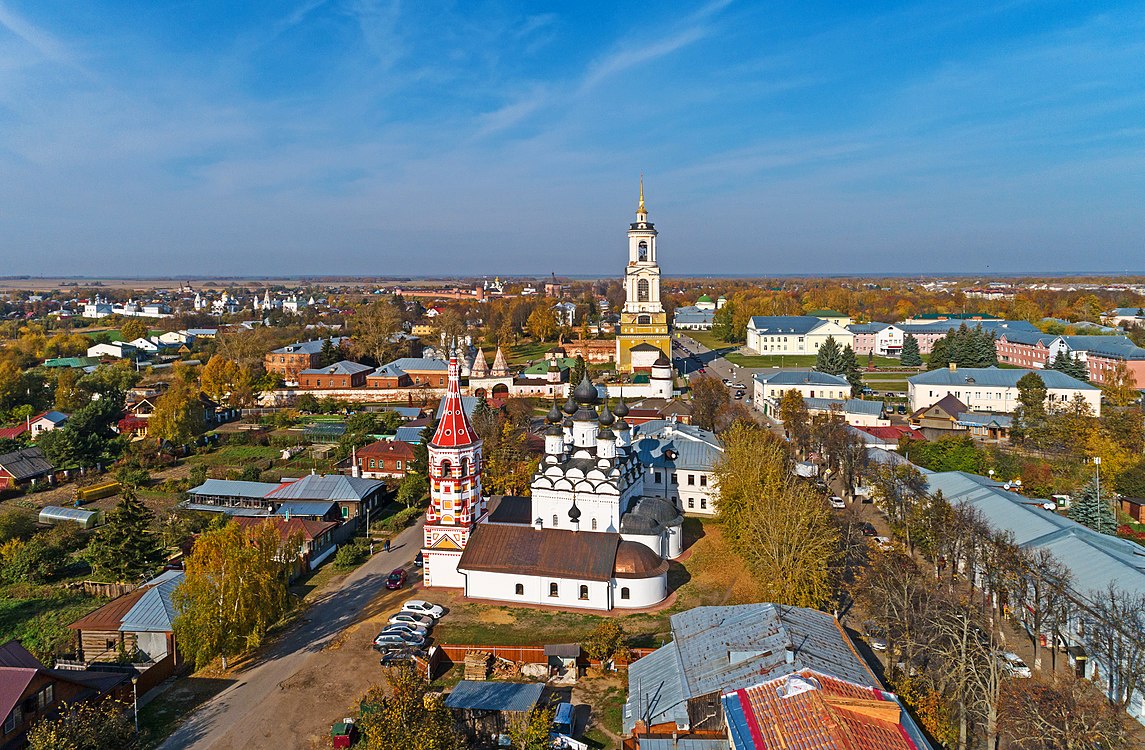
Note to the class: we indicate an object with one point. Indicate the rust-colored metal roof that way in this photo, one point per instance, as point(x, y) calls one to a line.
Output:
point(634, 560)
point(109, 616)
point(311, 530)
point(503, 548)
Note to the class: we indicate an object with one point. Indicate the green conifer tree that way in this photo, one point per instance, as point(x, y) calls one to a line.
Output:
point(911, 355)
point(851, 371)
point(1093, 510)
point(830, 358)
point(124, 548)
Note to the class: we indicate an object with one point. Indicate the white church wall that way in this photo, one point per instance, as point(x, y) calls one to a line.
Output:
point(536, 590)
point(440, 568)
point(642, 592)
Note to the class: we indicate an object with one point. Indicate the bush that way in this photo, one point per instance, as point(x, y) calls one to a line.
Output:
point(401, 519)
point(16, 524)
point(133, 476)
point(351, 555)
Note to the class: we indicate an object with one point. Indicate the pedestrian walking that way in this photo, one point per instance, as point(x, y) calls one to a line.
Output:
point(386, 546)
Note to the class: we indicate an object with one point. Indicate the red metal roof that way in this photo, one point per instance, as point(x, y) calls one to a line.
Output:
point(454, 430)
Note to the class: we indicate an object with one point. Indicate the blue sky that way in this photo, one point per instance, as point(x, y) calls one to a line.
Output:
point(384, 138)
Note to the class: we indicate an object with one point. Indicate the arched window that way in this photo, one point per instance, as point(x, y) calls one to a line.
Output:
point(583, 591)
point(520, 589)
point(445, 468)
point(642, 290)
point(465, 467)
point(624, 593)
point(642, 251)
point(552, 589)
point(594, 524)
point(556, 521)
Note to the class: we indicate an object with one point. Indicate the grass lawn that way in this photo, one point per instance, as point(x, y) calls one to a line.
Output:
point(159, 717)
point(38, 616)
point(236, 455)
point(888, 382)
point(708, 339)
point(522, 353)
point(113, 333)
point(796, 360)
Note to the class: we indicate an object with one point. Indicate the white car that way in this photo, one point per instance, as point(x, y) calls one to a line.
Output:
point(837, 502)
point(424, 621)
point(419, 607)
point(884, 543)
point(1014, 665)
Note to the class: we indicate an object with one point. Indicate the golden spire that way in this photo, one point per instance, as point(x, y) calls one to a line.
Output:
point(640, 209)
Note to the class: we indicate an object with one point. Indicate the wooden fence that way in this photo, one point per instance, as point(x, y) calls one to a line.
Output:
point(100, 588)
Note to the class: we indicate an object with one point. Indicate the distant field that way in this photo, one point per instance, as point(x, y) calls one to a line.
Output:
point(113, 334)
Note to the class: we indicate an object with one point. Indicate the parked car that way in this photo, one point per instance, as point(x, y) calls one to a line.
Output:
point(424, 621)
point(388, 639)
point(740, 385)
point(739, 395)
point(837, 502)
point(1014, 665)
point(396, 579)
point(419, 607)
point(407, 627)
point(869, 530)
point(884, 543)
point(418, 560)
point(875, 636)
point(727, 381)
point(397, 656)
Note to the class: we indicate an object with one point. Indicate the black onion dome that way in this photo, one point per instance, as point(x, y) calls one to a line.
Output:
point(570, 406)
point(554, 414)
point(621, 409)
point(574, 512)
point(606, 419)
point(585, 393)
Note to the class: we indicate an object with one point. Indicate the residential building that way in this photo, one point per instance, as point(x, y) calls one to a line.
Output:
point(30, 692)
point(327, 497)
point(137, 627)
point(115, 350)
point(949, 415)
point(22, 467)
point(1095, 563)
point(292, 359)
point(407, 372)
point(679, 462)
point(344, 374)
point(715, 651)
point(769, 388)
point(383, 458)
point(319, 538)
point(36, 426)
point(853, 411)
point(643, 320)
point(813, 709)
point(991, 389)
point(793, 334)
point(698, 317)
point(1125, 316)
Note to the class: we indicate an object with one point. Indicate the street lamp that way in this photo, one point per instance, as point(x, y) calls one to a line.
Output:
point(135, 700)
point(1097, 466)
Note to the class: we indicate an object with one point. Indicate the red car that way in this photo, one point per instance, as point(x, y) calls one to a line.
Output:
point(396, 579)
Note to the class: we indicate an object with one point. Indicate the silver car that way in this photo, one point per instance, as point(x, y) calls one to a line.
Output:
point(395, 639)
point(412, 618)
point(405, 627)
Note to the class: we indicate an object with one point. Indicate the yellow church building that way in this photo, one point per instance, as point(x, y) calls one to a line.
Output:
point(643, 335)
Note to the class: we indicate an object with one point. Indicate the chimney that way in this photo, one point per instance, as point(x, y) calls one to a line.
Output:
point(789, 654)
point(953, 366)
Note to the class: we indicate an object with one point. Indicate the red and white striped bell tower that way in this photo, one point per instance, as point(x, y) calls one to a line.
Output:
point(455, 501)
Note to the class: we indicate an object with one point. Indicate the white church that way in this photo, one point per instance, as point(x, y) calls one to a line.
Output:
point(589, 536)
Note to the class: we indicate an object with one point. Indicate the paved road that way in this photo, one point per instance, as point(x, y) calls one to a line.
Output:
point(244, 703)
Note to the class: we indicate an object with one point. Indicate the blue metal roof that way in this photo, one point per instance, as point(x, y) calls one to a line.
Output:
point(997, 377)
point(1095, 560)
point(717, 649)
point(410, 435)
point(329, 487)
point(983, 419)
point(345, 367)
point(780, 324)
point(695, 448)
point(315, 508)
point(314, 346)
point(868, 327)
point(230, 510)
point(800, 377)
point(849, 406)
point(154, 612)
point(232, 488)
point(477, 695)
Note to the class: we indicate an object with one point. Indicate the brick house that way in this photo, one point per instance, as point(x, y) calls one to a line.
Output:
point(384, 458)
point(29, 691)
point(406, 372)
point(344, 374)
point(290, 360)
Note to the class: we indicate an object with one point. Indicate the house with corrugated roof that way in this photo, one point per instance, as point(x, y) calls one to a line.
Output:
point(793, 334)
point(31, 692)
point(993, 389)
point(717, 650)
point(25, 466)
point(679, 464)
point(137, 629)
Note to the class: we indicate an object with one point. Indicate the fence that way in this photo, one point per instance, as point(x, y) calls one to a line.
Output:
point(453, 653)
point(100, 588)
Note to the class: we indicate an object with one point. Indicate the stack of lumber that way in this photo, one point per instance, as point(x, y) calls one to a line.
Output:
point(477, 665)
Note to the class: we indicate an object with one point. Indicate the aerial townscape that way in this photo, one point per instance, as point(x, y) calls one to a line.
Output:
point(330, 421)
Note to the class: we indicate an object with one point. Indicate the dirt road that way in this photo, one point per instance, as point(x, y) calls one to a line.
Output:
point(313, 674)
